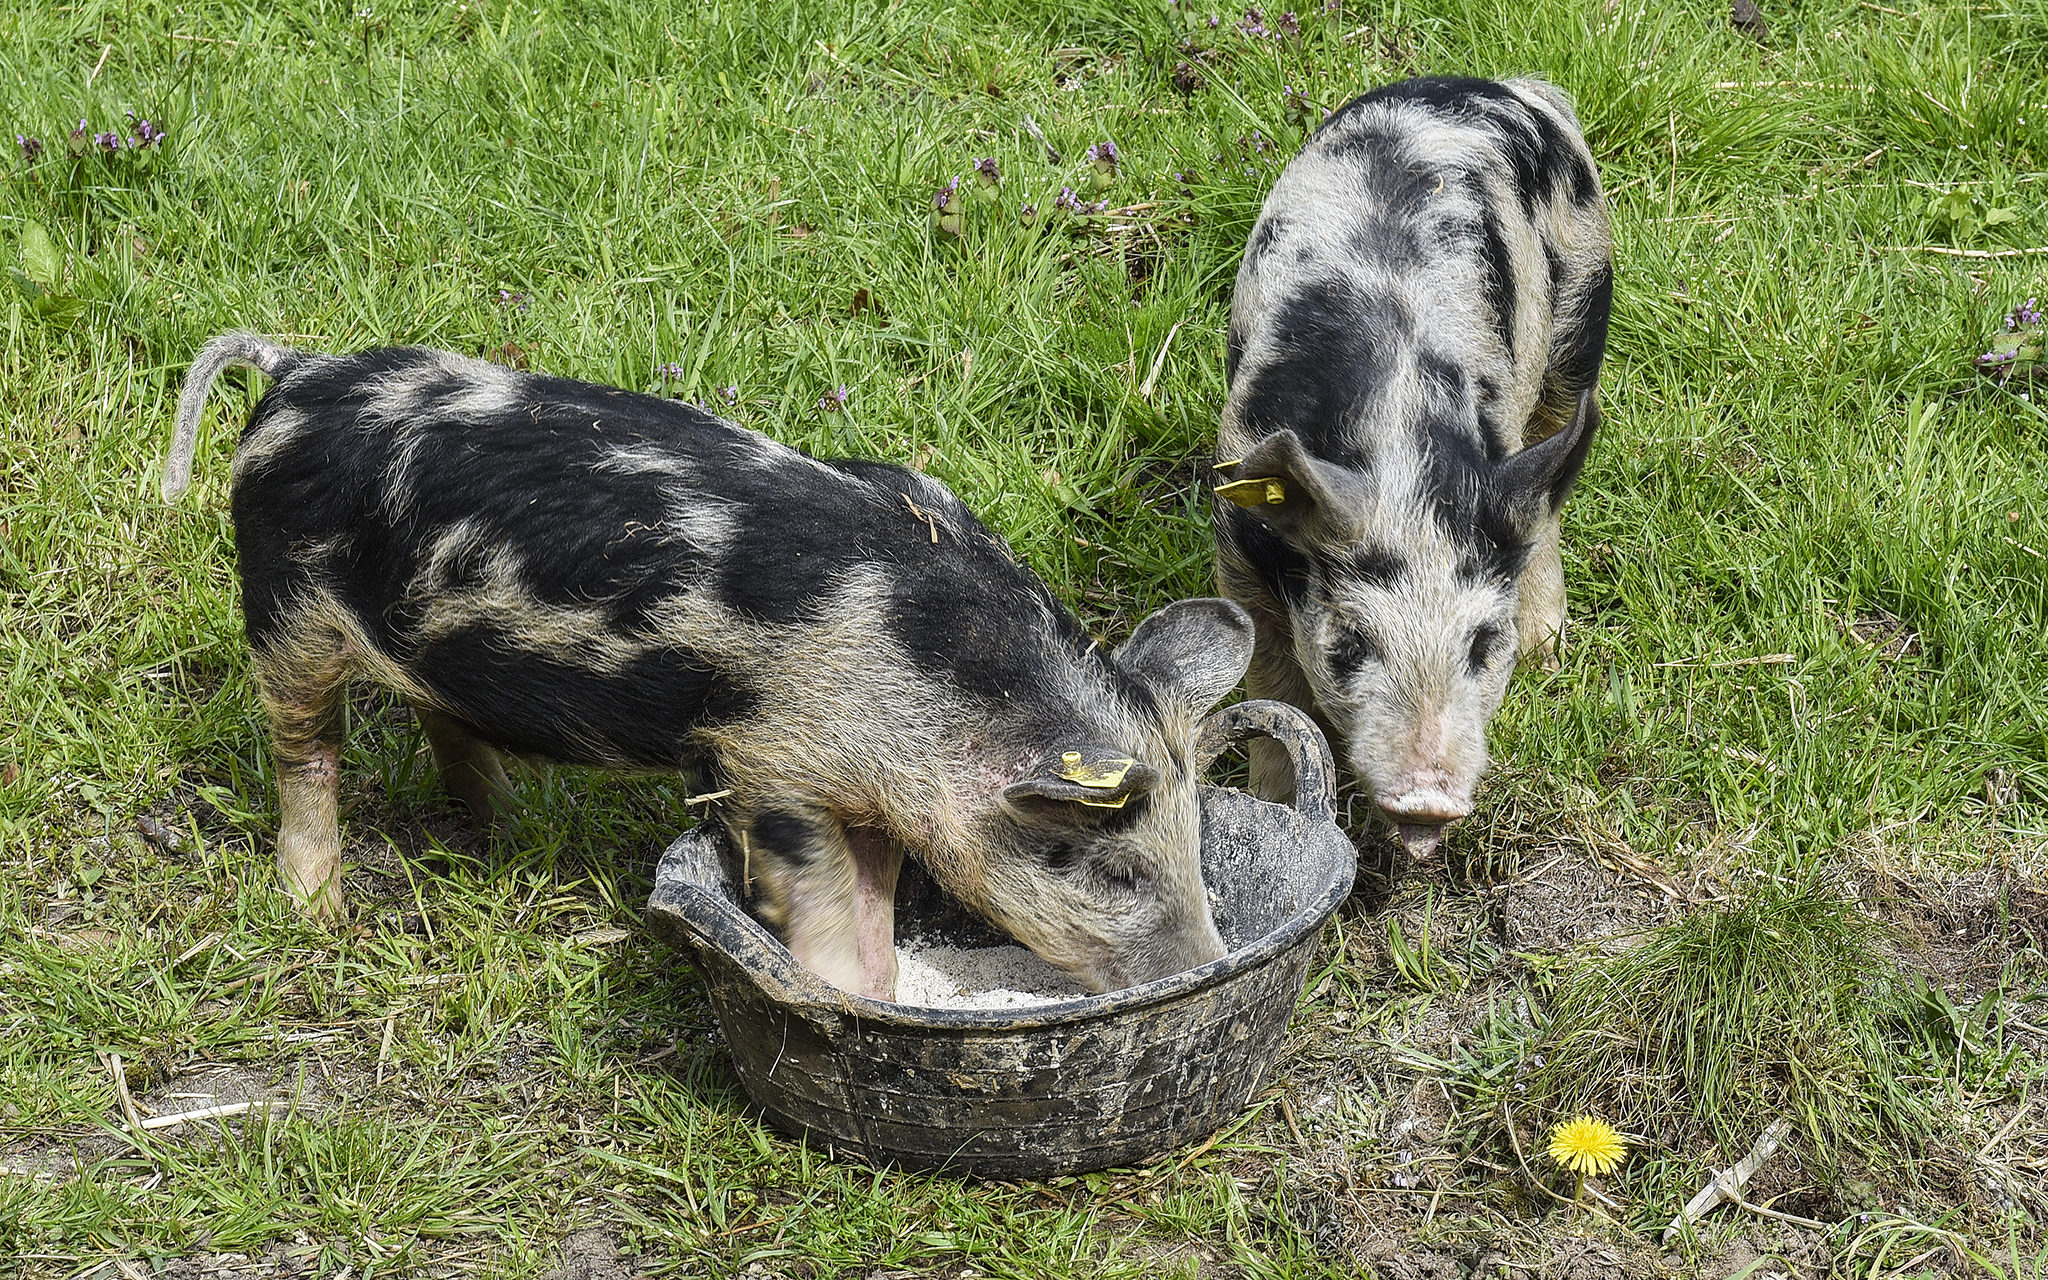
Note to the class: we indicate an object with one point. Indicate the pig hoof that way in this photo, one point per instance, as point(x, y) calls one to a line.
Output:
point(1545, 655)
point(322, 905)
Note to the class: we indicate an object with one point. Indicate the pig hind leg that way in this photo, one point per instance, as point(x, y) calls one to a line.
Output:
point(302, 681)
point(831, 891)
point(471, 769)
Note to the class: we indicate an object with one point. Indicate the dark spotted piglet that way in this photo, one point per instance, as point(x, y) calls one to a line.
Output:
point(548, 567)
point(1414, 341)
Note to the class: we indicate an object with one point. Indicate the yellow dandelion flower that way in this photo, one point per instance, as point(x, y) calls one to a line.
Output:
point(1586, 1145)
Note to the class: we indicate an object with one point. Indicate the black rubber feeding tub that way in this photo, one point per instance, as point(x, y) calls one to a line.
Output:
point(1081, 1084)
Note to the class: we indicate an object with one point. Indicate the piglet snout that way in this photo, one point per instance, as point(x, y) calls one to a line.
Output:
point(1419, 839)
point(1420, 816)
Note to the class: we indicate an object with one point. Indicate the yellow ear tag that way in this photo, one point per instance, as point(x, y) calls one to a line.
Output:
point(1103, 775)
point(1266, 491)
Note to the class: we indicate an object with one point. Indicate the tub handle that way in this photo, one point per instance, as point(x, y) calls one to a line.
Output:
point(1315, 772)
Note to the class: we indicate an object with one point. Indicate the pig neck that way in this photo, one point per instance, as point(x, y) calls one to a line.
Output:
point(853, 725)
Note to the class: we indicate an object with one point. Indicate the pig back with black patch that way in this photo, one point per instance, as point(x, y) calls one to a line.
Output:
point(1391, 287)
point(566, 522)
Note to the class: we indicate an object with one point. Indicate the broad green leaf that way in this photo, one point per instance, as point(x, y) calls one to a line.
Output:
point(40, 257)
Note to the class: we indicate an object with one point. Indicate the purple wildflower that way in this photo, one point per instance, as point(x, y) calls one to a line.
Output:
point(832, 401)
point(515, 301)
point(1104, 155)
point(1993, 358)
point(1288, 25)
point(1333, 6)
point(2025, 316)
point(1097, 207)
point(1067, 201)
point(108, 141)
point(1214, 22)
point(1186, 177)
point(731, 395)
point(146, 133)
point(1027, 215)
point(947, 215)
point(1253, 24)
point(673, 371)
point(1254, 141)
point(987, 171)
point(31, 148)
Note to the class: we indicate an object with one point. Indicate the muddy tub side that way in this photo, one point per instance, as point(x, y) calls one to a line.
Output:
point(1058, 1088)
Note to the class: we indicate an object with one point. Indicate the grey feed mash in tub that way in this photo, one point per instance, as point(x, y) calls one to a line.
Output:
point(935, 974)
point(1049, 1080)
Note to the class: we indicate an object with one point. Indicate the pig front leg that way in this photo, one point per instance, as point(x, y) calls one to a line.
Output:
point(831, 891)
point(1274, 674)
point(877, 860)
point(470, 768)
point(1539, 610)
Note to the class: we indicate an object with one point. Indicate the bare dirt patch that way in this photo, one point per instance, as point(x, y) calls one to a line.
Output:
point(1394, 1169)
point(592, 1254)
point(1571, 899)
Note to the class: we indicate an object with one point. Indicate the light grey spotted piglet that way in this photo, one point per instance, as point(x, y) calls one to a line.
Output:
point(1415, 337)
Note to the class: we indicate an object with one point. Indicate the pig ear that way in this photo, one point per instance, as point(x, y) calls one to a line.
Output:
point(1533, 484)
point(1302, 496)
point(1079, 785)
point(1193, 651)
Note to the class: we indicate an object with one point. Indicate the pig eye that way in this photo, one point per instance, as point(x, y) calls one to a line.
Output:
point(1059, 858)
point(1352, 649)
point(1483, 641)
point(1121, 881)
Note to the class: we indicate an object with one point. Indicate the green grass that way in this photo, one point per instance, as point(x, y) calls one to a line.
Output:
point(1728, 1019)
point(1809, 604)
